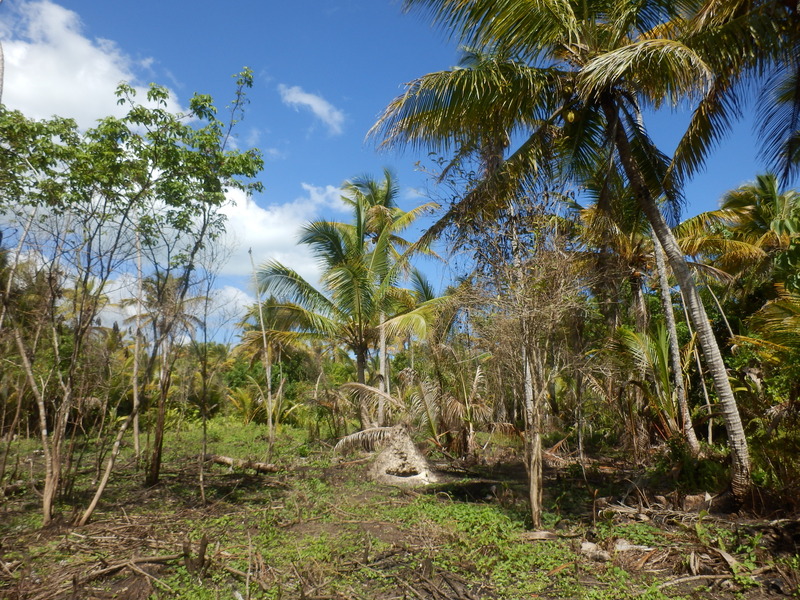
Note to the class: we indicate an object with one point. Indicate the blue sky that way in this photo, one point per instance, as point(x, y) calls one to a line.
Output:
point(324, 69)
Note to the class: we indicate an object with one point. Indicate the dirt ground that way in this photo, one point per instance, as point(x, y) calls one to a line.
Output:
point(322, 530)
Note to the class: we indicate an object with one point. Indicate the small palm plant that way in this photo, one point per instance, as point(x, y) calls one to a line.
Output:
point(448, 416)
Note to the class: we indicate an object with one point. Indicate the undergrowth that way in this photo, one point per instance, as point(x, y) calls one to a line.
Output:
point(321, 527)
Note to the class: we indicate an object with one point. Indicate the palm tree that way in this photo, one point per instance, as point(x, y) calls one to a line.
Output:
point(768, 218)
point(596, 63)
point(378, 201)
point(165, 310)
point(751, 45)
point(361, 262)
point(752, 238)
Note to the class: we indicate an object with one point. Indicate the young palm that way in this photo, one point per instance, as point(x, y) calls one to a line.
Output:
point(752, 236)
point(361, 262)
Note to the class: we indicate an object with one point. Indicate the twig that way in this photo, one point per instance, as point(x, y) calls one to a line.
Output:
point(691, 578)
point(397, 579)
point(155, 579)
point(458, 587)
point(249, 565)
point(117, 566)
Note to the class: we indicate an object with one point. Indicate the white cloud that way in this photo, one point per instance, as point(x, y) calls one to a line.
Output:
point(272, 153)
point(51, 68)
point(228, 306)
point(272, 232)
point(231, 303)
point(413, 193)
point(295, 97)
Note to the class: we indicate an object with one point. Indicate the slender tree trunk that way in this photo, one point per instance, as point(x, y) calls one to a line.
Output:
point(154, 472)
point(361, 371)
point(267, 361)
point(721, 311)
point(701, 373)
point(137, 348)
point(579, 404)
point(11, 271)
point(270, 405)
point(531, 399)
point(533, 442)
point(384, 368)
point(87, 514)
point(50, 479)
point(741, 482)
point(674, 350)
point(640, 442)
point(641, 314)
point(8, 433)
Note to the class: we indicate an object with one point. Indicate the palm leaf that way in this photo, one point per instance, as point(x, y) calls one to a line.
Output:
point(676, 72)
point(367, 439)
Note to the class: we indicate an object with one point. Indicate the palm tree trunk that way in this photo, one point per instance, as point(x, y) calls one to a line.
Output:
point(361, 370)
point(384, 368)
point(641, 314)
point(741, 483)
point(696, 354)
point(674, 350)
point(640, 441)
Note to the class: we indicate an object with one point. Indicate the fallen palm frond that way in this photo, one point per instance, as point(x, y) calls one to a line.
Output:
point(369, 439)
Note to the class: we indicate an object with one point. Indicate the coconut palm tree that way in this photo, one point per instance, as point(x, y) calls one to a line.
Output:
point(593, 65)
point(168, 314)
point(768, 218)
point(361, 263)
point(751, 46)
point(753, 237)
point(378, 199)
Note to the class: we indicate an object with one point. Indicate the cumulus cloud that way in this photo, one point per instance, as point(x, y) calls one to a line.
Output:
point(52, 68)
point(272, 232)
point(323, 110)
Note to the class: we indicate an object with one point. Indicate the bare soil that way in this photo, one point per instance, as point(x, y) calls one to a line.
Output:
point(319, 531)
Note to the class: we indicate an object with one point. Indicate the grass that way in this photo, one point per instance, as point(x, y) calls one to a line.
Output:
point(322, 528)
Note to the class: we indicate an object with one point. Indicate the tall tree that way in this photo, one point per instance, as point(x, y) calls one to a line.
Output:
point(596, 63)
point(361, 262)
point(88, 186)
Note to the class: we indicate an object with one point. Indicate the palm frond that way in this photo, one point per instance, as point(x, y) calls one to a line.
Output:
point(372, 394)
point(711, 121)
point(779, 115)
point(366, 439)
point(676, 71)
point(288, 286)
point(522, 26)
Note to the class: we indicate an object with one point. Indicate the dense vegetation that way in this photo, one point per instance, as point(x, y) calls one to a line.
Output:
point(587, 323)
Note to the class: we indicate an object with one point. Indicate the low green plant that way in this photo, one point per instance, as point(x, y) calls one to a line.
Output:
point(643, 534)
